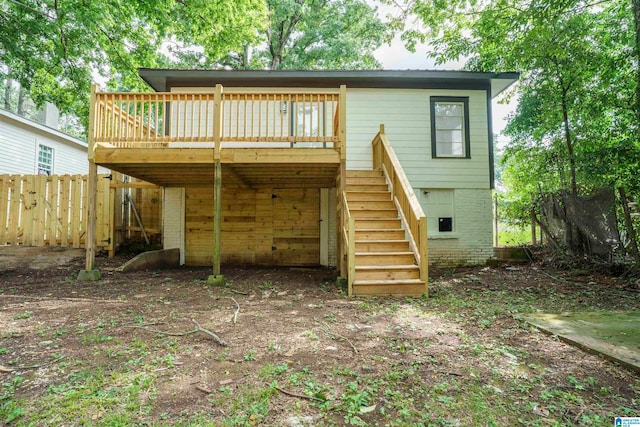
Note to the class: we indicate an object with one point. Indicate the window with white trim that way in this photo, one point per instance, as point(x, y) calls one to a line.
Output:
point(45, 160)
point(450, 127)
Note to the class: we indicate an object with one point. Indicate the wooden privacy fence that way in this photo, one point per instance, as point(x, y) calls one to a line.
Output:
point(38, 210)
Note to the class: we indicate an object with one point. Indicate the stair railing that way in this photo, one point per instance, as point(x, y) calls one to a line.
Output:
point(349, 242)
point(411, 213)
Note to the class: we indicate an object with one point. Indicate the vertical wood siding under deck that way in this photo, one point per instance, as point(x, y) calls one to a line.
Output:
point(259, 226)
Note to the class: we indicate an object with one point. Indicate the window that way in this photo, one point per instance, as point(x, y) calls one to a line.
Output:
point(450, 127)
point(438, 206)
point(308, 120)
point(45, 160)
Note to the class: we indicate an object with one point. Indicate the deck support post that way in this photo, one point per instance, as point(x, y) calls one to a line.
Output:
point(216, 278)
point(90, 273)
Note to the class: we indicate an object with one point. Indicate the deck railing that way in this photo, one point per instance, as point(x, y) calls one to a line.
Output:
point(307, 118)
point(411, 213)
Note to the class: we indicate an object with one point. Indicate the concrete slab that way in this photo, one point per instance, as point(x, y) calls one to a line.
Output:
point(152, 260)
point(614, 335)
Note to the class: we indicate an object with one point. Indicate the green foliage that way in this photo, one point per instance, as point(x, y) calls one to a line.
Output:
point(330, 34)
point(56, 49)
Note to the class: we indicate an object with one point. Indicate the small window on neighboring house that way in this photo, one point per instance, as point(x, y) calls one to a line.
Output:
point(45, 160)
point(439, 207)
point(450, 127)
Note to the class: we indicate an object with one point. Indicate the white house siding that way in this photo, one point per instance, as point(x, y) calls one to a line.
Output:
point(173, 220)
point(19, 139)
point(405, 114)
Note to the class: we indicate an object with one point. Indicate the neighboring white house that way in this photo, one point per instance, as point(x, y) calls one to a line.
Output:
point(29, 147)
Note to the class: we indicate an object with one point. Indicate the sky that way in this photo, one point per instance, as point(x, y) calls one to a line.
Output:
point(397, 57)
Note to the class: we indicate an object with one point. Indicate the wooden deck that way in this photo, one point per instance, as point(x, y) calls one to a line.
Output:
point(252, 165)
point(246, 167)
point(262, 139)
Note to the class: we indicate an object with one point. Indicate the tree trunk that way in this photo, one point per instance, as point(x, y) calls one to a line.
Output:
point(275, 62)
point(21, 95)
point(569, 142)
point(7, 94)
point(534, 241)
point(633, 244)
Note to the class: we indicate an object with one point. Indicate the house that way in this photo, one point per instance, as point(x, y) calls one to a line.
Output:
point(30, 147)
point(379, 173)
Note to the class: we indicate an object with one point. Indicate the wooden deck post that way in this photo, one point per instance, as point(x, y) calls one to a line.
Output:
point(217, 122)
point(216, 278)
point(92, 122)
point(90, 273)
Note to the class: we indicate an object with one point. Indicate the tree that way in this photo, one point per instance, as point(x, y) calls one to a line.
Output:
point(55, 49)
point(316, 34)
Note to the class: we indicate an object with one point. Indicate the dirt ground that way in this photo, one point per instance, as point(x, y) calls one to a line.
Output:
point(299, 351)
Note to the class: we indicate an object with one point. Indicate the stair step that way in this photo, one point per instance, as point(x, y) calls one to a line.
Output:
point(363, 173)
point(367, 180)
point(371, 204)
point(379, 234)
point(386, 258)
point(366, 187)
point(377, 214)
point(382, 246)
point(377, 224)
point(409, 287)
point(385, 272)
point(389, 282)
point(368, 196)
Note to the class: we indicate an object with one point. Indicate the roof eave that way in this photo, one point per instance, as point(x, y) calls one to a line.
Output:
point(162, 80)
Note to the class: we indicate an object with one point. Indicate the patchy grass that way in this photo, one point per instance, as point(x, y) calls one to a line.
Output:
point(301, 352)
point(514, 237)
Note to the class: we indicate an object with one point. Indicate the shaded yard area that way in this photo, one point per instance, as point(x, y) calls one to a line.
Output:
point(123, 351)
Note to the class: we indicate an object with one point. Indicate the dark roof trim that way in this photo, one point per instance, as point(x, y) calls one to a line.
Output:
point(162, 80)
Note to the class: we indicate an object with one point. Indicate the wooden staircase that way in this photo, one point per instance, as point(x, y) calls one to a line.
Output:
point(384, 261)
